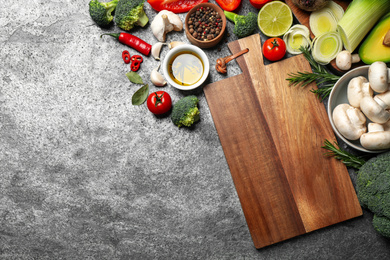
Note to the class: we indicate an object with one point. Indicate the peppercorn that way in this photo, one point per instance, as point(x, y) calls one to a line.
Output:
point(205, 24)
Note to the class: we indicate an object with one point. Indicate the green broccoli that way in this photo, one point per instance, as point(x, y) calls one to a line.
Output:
point(101, 12)
point(244, 24)
point(185, 111)
point(373, 190)
point(382, 225)
point(130, 13)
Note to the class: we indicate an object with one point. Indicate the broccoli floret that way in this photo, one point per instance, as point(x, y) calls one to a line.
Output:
point(382, 225)
point(373, 189)
point(244, 25)
point(185, 112)
point(130, 13)
point(101, 12)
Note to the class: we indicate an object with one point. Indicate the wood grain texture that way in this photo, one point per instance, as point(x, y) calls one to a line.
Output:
point(272, 135)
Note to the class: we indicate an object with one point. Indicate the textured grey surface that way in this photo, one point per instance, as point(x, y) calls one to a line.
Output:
point(86, 175)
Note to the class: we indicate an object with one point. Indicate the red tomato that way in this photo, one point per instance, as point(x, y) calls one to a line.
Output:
point(228, 5)
point(176, 6)
point(274, 49)
point(258, 4)
point(159, 102)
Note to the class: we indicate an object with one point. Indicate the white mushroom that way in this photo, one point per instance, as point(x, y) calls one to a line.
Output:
point(164, 22)
point(349, 121)
point(345, 59)
point(358, 87)
point(379, 77)
point(375, 107)
point(377, 137)
point(383, 99)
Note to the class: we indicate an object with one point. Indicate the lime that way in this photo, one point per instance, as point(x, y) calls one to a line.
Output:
point(274, 19)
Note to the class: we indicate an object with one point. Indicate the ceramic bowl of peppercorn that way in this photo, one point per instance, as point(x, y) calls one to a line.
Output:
point(205, 25)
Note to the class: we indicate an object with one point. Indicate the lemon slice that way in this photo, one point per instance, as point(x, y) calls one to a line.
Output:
point(274, 19)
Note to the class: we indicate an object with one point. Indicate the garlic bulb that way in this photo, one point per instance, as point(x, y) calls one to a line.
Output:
point(164, 22)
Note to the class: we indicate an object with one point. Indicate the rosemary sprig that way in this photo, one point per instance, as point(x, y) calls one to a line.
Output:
point(316, 67)
point(322, 92)
point(319, 75)
point(347, 158)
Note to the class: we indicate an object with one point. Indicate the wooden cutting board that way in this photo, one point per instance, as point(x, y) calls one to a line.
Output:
point(272, 135)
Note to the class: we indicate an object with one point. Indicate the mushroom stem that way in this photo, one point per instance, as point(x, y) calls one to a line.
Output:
point(355, 58)
point(221, 62)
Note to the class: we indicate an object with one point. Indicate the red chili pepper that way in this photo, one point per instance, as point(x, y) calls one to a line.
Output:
point(137, 58)
point(135, 65)
point(136, 62)
point(132, 41)
point(126, 57)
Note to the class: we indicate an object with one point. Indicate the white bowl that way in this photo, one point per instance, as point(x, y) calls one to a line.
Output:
point(338, 95)
point(190, 48)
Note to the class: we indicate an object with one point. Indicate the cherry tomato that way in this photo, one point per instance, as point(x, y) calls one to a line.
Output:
point(274, 49)
point(159, 102)
point(258, 4)
point(176, 6)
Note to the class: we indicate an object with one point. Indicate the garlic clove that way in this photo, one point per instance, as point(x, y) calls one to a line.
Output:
point(156, 49)
point(156, 78)
point(172, 45)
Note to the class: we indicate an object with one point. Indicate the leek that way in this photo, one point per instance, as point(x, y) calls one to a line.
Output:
point(358, 20)
point(337, 10)
point(326, 47)
point(297, 36)
point(322, 21)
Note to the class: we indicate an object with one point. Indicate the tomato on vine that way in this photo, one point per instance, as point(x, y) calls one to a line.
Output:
point(274, 49)
point(159, 102)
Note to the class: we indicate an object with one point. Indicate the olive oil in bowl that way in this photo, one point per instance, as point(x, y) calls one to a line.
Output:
point(186, 68)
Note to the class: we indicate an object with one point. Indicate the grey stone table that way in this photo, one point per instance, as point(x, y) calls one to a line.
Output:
point(86, 175)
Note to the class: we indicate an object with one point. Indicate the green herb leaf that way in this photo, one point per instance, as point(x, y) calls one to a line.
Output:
point(140, 95)
point(320, 75)
point(134, 77)
point(348, 159)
